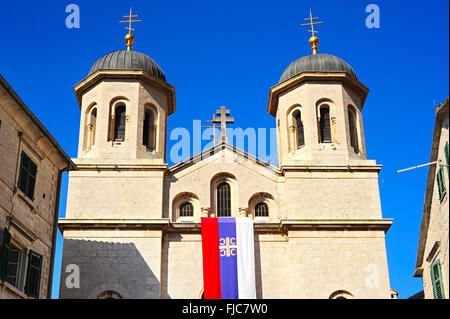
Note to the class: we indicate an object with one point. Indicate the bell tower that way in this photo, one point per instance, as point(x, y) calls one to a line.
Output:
point(318, 107)
point(124, 101)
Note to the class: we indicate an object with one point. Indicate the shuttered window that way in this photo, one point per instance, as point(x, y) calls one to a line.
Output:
point(436, 280)
point(34, 269)
point(223, 200)
point(353, 131)
point(446, 159)
point(299, 128)
point(27, 176)
point(325, 127)
point(261, 210)
point(4, 253)
point(441, 183)
point(14, 260)
point(186, 209)
point(119, 123)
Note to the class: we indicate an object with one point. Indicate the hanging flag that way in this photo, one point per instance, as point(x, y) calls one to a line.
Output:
point(228, 258)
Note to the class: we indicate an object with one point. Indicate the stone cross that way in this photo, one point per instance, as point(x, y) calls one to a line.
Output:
point(223, 120)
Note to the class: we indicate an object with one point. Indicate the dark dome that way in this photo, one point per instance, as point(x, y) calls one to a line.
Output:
point(317, 63)
point(124, 60)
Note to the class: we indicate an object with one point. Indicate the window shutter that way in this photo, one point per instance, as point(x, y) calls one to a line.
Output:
point(5, 253)
point(22, 174)
point(441, 184)
point(27, 175)
point(436, 280)
point(446, 159)
point(34, 269)
point(325, 128)
point(300, 131)
point(32, 179)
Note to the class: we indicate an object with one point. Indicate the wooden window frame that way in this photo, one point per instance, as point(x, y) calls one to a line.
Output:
point(186, 204)
point(261, 203)
point(440, 180)
point(18, 264)
point(436, 267)
point(4, 253)
point(299, 129)
point(446, 152)
point(322, 125)
point(27, 176)
point(34, 273)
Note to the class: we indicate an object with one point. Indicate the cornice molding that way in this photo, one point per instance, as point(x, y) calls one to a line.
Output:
point(319, 77)
point(140, 75)
point(272, 227)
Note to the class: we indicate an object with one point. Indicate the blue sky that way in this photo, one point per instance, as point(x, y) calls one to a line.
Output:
point(230, 53)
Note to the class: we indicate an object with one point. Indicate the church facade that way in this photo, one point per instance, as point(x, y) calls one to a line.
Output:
point(132, 224)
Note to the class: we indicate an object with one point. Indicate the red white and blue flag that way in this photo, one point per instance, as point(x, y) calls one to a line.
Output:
point(228, 258)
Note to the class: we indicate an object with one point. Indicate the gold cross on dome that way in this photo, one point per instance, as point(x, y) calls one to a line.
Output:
point(311, 23)
point(129, 38)
point(313, 41)
point(130, 21)
point(223, 120)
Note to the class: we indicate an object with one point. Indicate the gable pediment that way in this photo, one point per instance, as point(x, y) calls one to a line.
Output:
point(225, 157)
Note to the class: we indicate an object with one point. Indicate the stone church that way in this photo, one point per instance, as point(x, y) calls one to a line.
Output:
point(132, 223)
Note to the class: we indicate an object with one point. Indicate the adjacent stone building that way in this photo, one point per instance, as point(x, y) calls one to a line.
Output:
point(432, 255)
point(31, 165)
point(132, 223)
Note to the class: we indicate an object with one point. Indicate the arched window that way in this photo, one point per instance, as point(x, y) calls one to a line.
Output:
point(92, 126)
point(261, 210)
point(223, 200)
point(353, 130)
point(325, 127)
point(299, 128)
point(148, 138)
point(341, 294)
point(119, 123)
point(109, 294)
point(186, 209)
